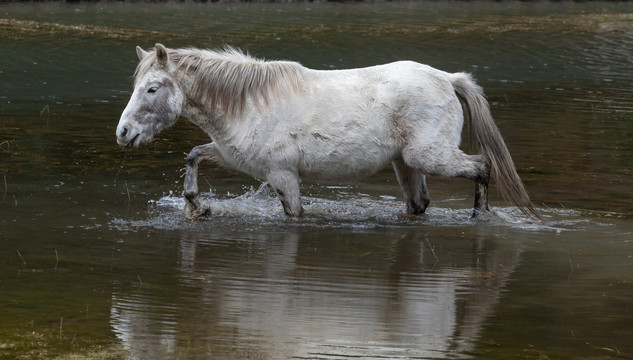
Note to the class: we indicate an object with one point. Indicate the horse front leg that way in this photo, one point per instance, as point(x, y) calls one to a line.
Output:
point(414, 189)
point(195, 157)
point(286, 185)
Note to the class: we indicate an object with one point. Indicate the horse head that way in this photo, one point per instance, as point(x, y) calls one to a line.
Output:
point(157, 101)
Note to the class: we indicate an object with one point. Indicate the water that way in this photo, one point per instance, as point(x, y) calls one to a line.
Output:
point(98, 261)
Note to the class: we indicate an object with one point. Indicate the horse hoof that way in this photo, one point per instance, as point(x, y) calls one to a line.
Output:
point(204, 212)
point(195, 211)
point(483, 215)
point(199, 213)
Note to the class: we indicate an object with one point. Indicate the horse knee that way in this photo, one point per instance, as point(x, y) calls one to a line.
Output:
point(202, 152)
point(192, 158)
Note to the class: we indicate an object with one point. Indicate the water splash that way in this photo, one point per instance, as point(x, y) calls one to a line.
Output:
point(259, 209)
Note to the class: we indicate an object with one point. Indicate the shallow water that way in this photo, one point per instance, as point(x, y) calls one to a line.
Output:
point(99, 262)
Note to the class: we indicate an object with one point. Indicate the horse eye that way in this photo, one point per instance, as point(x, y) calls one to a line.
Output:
point(152, 90)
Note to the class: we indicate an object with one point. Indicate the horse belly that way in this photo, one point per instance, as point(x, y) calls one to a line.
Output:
point(348, 133)
point(341, 168)
point(327, 157)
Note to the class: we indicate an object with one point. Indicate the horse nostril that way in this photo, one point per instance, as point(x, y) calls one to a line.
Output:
point(123, 132)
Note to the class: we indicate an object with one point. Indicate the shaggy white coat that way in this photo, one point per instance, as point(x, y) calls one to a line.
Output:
point(283, 122)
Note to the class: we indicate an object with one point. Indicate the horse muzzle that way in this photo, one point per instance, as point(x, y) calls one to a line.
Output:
point(127, 137)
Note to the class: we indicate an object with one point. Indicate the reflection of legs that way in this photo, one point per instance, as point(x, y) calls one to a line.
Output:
point(452, 163)
point(196, 156)
point(413, 184)
point(286, 185)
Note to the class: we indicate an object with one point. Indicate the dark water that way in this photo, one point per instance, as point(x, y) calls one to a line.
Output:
point(97, 261)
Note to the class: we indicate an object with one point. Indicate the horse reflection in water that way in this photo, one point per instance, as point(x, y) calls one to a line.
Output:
point(304, 296)
point(280, 121)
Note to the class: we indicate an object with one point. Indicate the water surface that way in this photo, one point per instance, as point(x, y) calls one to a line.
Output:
point(98, 261)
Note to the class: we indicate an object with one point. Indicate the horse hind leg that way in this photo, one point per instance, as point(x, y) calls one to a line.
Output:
point(481, 189)
point(413, 184)
point(454, 163)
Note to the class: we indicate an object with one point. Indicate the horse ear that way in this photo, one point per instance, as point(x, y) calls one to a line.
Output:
point(161, 54)
point(141, 53)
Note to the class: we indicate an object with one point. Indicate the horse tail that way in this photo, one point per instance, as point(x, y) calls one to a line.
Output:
point(484, 132)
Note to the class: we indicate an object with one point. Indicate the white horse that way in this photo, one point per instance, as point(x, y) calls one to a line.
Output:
point(282, 122)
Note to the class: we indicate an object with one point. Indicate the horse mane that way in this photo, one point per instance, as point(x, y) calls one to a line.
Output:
point(228, 78)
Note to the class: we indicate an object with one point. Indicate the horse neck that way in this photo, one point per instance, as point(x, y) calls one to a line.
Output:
point(212, 123)
point(224, 120)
